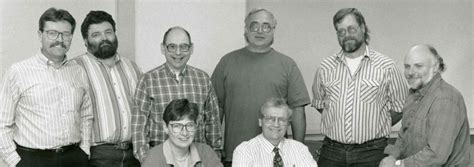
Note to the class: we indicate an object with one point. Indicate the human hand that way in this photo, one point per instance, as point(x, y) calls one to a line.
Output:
point(388, 161)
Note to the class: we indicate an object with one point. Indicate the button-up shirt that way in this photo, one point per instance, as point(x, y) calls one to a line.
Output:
point(43, 107)
point(435, 128)
point(356, 107)
point(112, 89)
point(259, 152)
point(160, 86)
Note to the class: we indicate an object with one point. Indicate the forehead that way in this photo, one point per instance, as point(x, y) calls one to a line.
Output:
point(100, 27)
point(61, 26)
point(177, 36)
point(183, 121)
point(276, 112)
point(418, 55)
point(348, 20)
point(261, 17)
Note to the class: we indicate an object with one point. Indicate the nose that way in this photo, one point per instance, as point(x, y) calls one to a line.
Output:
point(60, 37)
point(260, 29)
point(275, 122)
point(178, 51)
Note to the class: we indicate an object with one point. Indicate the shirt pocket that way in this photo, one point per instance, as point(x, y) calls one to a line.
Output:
point(333, 91)
point(369, 90)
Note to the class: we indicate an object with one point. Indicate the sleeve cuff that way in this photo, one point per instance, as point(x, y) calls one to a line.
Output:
point(13, 159)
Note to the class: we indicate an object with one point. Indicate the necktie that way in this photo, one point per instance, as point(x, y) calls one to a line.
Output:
point(277, 161)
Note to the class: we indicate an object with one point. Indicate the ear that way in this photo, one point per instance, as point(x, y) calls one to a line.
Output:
point(40, 35)
point(191, 49)
point(165, 128)
point(163, 49)
point(86, 43)
point(260, 123)
point(362, 26)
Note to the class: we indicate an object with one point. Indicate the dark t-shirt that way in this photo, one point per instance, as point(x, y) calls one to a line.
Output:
point(244, 80)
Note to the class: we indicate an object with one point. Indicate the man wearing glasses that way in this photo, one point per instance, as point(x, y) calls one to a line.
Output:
point(271, 148)
point(360, 94)
point(174, 80)
point(246, 77)
point(113, 79)
point(45, 108)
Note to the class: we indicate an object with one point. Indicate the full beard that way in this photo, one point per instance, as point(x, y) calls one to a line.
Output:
point(105, 49)
point(352, 46)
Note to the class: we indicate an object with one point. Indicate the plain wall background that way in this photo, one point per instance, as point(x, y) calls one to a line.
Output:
point(304, 32)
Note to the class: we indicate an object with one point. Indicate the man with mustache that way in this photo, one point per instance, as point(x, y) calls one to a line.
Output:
point(45, 107)
point(435, 128)
point(246, 77)
point(360, 94)
point(113, 79)
point(174, 79)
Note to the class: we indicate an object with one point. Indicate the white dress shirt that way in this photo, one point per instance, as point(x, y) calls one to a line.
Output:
point(259, 152)
point(43, 107)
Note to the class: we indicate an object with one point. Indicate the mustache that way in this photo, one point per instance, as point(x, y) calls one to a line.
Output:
point(348, 38)
point(58, 44)
point(105, 42)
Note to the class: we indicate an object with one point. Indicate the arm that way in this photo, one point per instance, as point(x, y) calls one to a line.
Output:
point(444, 122)
point(140, 113)
point(218, 81)
point(298, 124)
point(9, 97)
point(86, 118)
point(397, 92)
point(212, 122)
point(318, 92)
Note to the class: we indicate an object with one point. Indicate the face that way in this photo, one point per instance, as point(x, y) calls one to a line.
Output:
point(181, 138)
point(101, 40)
point(350, 34)
point(419, 67)
point(256, 30)
point(274, 124)
point(177, 49)
point(55, 39)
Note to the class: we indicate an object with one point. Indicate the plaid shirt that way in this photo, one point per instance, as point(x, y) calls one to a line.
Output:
point(160, 86)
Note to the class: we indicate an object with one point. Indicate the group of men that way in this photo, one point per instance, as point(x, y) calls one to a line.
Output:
point(99, 109)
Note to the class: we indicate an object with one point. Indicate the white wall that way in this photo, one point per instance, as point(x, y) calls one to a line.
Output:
point(306, 33)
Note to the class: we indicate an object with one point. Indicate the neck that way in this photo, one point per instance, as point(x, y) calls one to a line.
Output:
point(109, 61)
point(357, 53)
point(180, 153)
point(258, 49)
point(175, 70)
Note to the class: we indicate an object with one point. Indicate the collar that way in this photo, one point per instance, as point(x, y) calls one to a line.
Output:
point(426, 88)
point(44, 60)
point(171, 73)
point(267, 146)
point(193, 157)
point(117, 58)
point(340, 54)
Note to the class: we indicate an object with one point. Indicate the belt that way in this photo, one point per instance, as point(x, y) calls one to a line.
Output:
point(153, 143)
point(119, 145)
point(367, 143)
point(56, 150)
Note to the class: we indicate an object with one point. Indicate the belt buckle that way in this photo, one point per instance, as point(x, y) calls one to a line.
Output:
point(121, 146)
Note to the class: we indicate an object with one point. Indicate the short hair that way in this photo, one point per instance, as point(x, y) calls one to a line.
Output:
point(275, 103)
point(253, 11)
point(95, 17)
point(180, 109)
point(176, 27)
point(359, 18)
point(56, 15)
point(438, 58)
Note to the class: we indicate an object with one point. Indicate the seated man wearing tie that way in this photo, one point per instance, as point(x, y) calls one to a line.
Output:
point(271, 148)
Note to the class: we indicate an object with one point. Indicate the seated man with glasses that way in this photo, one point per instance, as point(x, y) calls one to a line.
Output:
point(179, 150)
point(271, 148)
point(174, 80)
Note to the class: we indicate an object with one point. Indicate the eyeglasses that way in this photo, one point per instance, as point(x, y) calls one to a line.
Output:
point(272, 119)
point(178, 127)
point(182, 47)
point(53, 35)
point(265, 27)
point(350, 29)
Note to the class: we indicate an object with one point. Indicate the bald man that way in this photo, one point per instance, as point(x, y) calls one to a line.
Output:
point(174, 79)
point(435, 128)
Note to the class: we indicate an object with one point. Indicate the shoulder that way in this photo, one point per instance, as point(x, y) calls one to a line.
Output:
point(296, 144)
point(157, 70)
point(447, 91)
point(379, 59)
point(197, 71)
point(155, 154)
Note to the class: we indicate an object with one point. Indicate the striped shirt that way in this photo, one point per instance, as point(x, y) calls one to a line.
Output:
point(43, 107)
point(160, 86)
point(359, 103)
point(112, 89)
point(259, 152)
